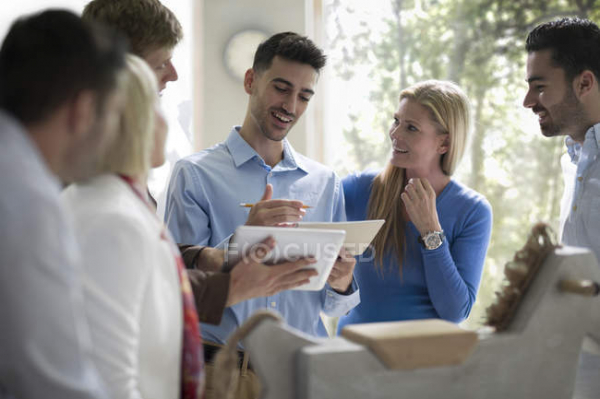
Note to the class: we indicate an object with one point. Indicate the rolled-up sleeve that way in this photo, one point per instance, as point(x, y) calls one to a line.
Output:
point(336, 304)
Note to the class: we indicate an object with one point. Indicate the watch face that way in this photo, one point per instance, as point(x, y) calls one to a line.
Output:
point(433, 241)
point(239, 51)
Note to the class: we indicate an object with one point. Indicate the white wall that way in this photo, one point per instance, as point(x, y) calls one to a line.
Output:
point(224, 100)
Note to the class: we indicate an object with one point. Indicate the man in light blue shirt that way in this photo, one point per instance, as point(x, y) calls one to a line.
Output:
point(563, 68)
point(582, 224)
point(256, 164)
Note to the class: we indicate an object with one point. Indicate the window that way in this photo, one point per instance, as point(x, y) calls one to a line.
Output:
point(378, 47)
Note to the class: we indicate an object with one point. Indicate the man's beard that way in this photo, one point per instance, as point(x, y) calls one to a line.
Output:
point(260, 119)
point(566, 117)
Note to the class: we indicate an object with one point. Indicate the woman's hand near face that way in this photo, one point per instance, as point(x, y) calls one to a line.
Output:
point(419, 201)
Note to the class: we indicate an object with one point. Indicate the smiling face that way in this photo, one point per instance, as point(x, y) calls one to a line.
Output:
point(551, 97)
point(416, 139)
point(279, 96)
point(160, 62)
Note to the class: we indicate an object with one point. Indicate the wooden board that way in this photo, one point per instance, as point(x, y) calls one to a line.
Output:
point(414, 344)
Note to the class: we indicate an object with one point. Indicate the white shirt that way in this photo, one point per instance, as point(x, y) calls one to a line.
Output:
point(582, 224)
point(131, 289)
point(44, 340)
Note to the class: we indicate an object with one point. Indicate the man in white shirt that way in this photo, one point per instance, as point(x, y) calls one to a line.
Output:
point(59, 106)
point(563, 68)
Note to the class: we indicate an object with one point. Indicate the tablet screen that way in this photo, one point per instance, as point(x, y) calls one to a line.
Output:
point(291, 244)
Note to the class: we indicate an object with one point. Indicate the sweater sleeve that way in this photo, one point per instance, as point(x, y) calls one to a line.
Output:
point(210, 289)
point(453, 272)
point(210, 294)
point(357, 191)
point(190, 254)
point(349, 183)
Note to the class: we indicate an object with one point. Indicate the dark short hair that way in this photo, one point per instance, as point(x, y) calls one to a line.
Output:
point(292, 47)
point(148, 24)
point(48, 58)
point(575, 44)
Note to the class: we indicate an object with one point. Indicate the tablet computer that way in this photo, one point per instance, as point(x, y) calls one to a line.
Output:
point(359, 234)
point(290, 244)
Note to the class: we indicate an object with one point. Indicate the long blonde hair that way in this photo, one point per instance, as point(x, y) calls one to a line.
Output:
point(449, 109)
point(131, 151)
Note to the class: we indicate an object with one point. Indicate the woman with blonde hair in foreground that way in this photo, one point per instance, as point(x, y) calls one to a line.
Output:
point(427, 260)
point(144, 327)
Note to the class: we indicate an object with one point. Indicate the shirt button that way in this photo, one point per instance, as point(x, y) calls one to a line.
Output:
point(580, 178)
point(574, 207)
point(273, 304)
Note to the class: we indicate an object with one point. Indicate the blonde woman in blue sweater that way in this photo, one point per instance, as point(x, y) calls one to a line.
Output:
point(427, 260)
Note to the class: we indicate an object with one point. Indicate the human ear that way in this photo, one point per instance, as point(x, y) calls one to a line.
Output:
point(82, 113)
point(444, 144)
point(584, 83)
point(249, 80)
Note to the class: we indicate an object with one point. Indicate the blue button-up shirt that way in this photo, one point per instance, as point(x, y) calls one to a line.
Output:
point(203, 209)
point(582, 226)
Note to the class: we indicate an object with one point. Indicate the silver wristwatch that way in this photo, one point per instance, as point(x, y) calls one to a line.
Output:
point(432, 239)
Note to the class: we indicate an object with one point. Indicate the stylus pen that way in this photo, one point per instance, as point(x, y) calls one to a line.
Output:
point(245, 205)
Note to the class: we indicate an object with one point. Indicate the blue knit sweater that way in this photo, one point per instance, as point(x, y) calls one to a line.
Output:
point(440, 283)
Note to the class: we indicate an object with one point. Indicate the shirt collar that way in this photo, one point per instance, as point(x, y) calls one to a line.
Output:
point(593, 134)
point(291, 160)
point(592, 137)
point(573, 149)
point(242, 152)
